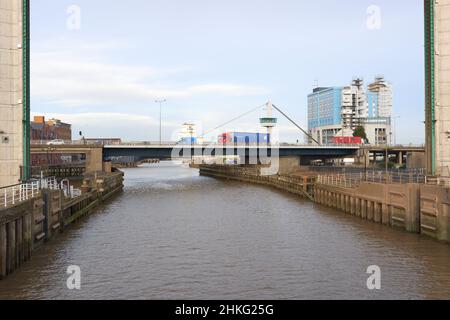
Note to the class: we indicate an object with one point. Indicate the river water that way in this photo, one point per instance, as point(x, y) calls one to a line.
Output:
point(175, 235)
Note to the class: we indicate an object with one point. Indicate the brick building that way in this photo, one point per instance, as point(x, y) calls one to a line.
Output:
point(51, 129)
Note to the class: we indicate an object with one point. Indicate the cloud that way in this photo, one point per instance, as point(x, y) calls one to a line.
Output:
point(84, 78)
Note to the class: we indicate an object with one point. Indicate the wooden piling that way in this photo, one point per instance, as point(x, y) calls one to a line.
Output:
point(3, 250)
point(358, 207)
point(363, 208)
point(27, 236)
point(19, 243)
point(377, 212)
point(11, 247)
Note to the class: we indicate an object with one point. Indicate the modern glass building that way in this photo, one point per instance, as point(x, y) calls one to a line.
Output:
point(324, 107)
point(372, 104)
point(338, 111)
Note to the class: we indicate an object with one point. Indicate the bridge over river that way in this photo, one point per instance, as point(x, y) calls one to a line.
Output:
point(170, 151)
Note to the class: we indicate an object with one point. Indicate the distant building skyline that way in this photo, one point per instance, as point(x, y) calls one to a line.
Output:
point(338, 111)
point(214, 60)
point(46, 130)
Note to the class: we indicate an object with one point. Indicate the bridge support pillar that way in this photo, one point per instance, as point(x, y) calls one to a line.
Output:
point(288, 164)
point(400, 158)
point(94, 160)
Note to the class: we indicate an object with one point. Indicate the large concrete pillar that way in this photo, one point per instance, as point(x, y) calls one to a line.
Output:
point(94, 160)
point(288, 164)
point(437, 72)
point(14, 100)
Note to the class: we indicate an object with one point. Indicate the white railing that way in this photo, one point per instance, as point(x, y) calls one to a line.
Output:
point(16, 194)
point(353, 180)
point(339, 180)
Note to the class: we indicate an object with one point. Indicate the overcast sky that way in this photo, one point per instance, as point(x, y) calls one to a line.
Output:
point(213, 60)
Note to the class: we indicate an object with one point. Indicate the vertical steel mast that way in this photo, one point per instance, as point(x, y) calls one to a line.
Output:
point(430, 95)
point(26, 88)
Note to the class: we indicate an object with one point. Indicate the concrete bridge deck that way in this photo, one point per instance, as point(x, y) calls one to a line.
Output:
point(144, 151)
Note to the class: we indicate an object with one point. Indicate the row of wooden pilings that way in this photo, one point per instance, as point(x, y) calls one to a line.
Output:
point(16, 243)
point(26, 226)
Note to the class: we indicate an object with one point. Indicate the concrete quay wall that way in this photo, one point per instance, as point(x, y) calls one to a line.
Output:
point(412, 207)
point(302, 186)
point(30, 224)
point(389, 204)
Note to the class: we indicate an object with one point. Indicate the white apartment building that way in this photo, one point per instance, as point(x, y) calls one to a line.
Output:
point(338, 111)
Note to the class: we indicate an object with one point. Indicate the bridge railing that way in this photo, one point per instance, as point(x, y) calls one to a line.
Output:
point(281, 144)
point(396, 146)
point(239, 144)
point(64, 142)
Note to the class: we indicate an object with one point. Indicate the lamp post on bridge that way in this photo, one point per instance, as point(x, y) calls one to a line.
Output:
point(394, 122)
point(161, 101)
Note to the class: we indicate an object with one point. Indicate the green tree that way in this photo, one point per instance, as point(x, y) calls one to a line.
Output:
point(360, 132)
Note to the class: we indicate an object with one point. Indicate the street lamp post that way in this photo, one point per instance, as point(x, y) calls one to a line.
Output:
point(395, 128)
point(161, 101)
point(191, 132)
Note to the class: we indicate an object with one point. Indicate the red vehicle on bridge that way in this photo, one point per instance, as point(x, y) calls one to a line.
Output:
point(347, 140)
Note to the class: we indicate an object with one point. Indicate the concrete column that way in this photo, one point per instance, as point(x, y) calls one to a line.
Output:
point(364, 209)
point(370, 211)
point(288, 164)
point(412, 222)
point(377, 212)
point(385, 219)
point(358, 207)
point(352, 206)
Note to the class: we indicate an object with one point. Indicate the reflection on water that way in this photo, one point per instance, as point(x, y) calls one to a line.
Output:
point(175, 235)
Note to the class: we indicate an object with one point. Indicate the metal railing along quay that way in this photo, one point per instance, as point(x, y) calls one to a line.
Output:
point(353, 180)
point(12, 195)
point(16, 194)
point(346, 169)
